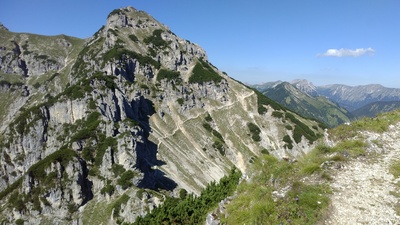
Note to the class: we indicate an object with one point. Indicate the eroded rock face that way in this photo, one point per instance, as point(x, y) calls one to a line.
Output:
point(121, 135)
point(20, 57)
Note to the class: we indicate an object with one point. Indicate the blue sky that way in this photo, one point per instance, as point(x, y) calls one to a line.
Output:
point(348, 42)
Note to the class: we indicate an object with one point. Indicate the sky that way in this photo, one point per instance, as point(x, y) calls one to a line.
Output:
point(326, 42)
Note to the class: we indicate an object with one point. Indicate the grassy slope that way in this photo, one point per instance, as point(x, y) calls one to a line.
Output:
point(312, 107)
point(305, 180)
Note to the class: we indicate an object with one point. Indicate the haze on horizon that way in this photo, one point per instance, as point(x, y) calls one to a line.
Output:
point(343, 42)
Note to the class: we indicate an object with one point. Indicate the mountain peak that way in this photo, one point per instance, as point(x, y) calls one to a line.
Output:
point(305, 86)
point(131, 17)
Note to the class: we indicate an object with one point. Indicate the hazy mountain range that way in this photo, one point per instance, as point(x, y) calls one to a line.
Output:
point(332, 104)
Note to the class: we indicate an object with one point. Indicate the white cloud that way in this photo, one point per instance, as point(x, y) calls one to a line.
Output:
point(348, 52)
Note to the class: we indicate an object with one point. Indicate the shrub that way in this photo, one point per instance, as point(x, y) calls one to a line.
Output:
point(277, 114)
point(301, 129)
point(108, 80)
point(19, 222)
point(255, 131)
point(108, 189)
point(139, 193)
point(157, 40)
point(114, 12)
point(125, 180)
point(10, 188)
point(117, 169)
point(78, 90)
point(264, 151)
point(180, 101)
point(89, 127)
point(168, 74)
point(182, 193)
point(288, 141)
point(63, 156)
point(92, 104)
point(203, 72)
point(208, 118)
point(144, 86)
point(219, 146)
point(119, 53)
point(218, 135)
point(117, 205)
point(189, 209)
point(133, 38)
point(36, 85)
point(208, 127)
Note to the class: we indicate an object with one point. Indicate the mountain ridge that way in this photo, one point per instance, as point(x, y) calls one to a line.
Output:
point(128, 117)
point(308, 104)
point(351, 98)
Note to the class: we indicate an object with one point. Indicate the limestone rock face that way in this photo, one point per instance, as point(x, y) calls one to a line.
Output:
point(103, 131)
point(29, 55)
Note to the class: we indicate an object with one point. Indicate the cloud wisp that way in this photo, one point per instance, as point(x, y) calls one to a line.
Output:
point(344, 52)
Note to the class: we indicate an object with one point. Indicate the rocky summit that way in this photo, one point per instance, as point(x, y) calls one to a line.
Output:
point(104, 130)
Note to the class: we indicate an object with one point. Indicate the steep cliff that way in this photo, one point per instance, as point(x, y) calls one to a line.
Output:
point(101, 131)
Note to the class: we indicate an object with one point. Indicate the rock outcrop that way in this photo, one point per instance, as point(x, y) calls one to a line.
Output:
point(133, 115)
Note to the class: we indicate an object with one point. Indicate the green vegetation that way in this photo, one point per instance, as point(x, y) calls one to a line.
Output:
point(38, 172)
point(378, 124)
point(307, 106)
point(133, 38)
point(180, 101)
point(301, 129)
point(10, 188)
point(125, 180)
point(255, 131)
point(277, 114)
point(83, 86)
point(263, 100)
point(395, 168)
point(321, 157)
point(208, 127)
point(255, 202)
point(107, 80)
point(119, 53)
point(353, 148)
point(218, 139)
point(26, 119)
point(191, 209)
point(78, 90)
point(157, 40)
point(219, 145)
point(114, 12)
point(169, 75)
point(117, 205)
point(88, 127)
point(19, 222)
point(208, 118)
point(62, 156)
point(288, 141)
point(203, 73)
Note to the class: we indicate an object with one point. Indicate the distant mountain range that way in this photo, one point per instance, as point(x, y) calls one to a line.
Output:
point(332, 104)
